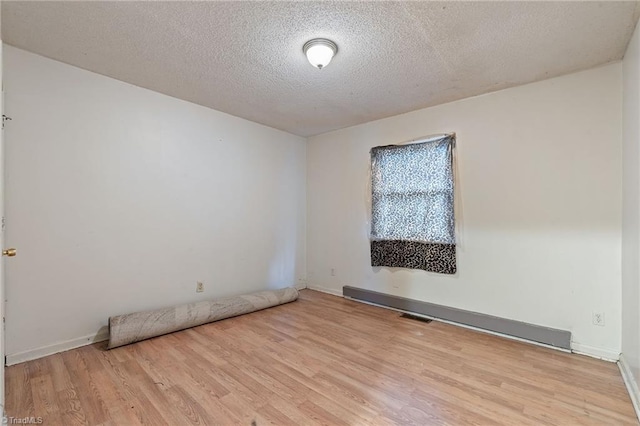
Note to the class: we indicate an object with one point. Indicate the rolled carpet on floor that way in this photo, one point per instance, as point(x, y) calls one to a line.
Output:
point(130, 328)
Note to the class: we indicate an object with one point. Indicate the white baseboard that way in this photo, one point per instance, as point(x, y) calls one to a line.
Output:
point(630, 383)
point(43, 351)
point(55, 348)
point(457, 324)
point(591, 351)
point(325, 290)
point(599, 353)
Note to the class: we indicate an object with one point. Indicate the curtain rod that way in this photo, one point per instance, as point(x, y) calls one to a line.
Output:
point(428, 138)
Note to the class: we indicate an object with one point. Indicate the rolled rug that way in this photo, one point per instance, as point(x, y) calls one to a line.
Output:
point(130, 328)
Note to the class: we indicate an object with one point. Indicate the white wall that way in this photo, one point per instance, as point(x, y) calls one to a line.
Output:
point(540, 211)
point(119, 199)
point(631, 209)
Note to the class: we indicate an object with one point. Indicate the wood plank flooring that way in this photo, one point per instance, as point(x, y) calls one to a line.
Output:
point(320, 360)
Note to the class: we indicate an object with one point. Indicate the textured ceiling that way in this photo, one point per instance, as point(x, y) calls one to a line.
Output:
point(245, 58)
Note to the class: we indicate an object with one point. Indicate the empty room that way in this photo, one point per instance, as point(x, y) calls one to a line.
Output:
point(320, 213)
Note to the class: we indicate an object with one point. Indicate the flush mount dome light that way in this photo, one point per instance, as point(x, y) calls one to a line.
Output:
point(320, 51)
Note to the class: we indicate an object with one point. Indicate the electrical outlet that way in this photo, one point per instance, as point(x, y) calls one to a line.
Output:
point(333, 272)
point(598, 318)
point(199, 287)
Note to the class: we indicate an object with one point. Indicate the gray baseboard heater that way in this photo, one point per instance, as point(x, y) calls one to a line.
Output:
point(522, 330)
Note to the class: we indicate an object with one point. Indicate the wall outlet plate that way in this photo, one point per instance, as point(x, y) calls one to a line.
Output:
point(199, 287)
point(598, 318)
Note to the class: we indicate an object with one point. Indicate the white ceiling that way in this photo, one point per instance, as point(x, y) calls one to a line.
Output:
point(245, 58)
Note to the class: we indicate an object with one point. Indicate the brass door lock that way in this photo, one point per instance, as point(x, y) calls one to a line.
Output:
point(9, 252)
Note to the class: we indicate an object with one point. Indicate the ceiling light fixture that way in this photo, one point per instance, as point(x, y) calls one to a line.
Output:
point(320, 51)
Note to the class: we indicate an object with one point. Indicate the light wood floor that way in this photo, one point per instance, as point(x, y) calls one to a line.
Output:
point(320, 360)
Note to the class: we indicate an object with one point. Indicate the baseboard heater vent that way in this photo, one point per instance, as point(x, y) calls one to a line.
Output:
point(523, 330)
point(415, 318)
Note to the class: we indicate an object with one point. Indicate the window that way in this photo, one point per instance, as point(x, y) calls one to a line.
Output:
point(412, 220)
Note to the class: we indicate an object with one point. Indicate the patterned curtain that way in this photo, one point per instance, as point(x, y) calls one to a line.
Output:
point(412, 221)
